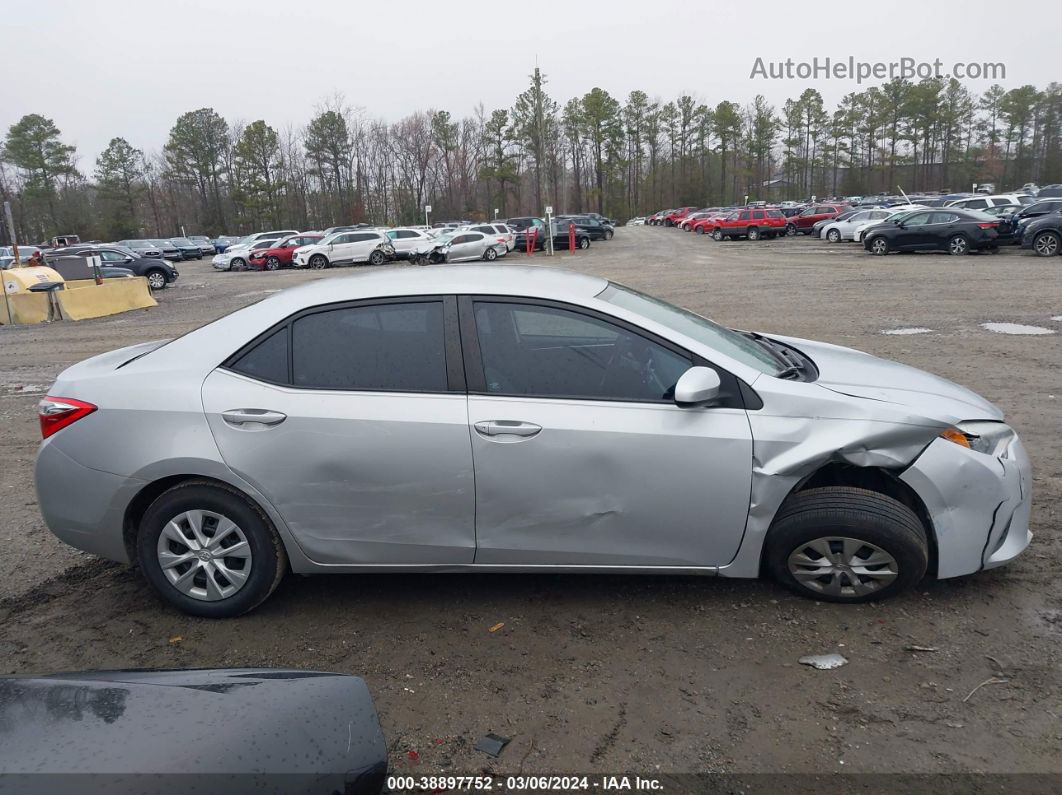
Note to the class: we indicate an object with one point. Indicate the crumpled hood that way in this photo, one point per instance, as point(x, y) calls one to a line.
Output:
point(852, 372)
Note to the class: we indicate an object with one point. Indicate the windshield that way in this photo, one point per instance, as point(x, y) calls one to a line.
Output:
point(737, 346)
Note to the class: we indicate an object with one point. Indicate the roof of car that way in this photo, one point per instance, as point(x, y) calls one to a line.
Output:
point(527, 280)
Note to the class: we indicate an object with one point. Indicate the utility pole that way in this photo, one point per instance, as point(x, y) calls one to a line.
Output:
point(11, 231)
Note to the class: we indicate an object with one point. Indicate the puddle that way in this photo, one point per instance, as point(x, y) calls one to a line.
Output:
point(1057, 318)
point(903, 332)
point(1016, 328)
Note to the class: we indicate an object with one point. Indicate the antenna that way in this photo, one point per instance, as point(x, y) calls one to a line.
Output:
point(904, 195)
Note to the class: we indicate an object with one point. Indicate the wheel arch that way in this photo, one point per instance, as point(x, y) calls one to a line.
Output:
point(877, 479)
point(151, 491)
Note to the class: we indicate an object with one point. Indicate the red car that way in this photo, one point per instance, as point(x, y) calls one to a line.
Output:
point(279, 256)
point(752, 223)
point(675, 216)
point(803, 222)
point(704, 226)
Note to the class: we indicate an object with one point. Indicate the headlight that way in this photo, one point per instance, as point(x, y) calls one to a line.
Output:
point(990, 438)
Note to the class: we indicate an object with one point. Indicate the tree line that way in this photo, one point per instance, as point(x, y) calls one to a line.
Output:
point(595, 152)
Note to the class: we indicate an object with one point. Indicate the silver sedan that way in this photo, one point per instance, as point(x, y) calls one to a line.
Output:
point(468, 419)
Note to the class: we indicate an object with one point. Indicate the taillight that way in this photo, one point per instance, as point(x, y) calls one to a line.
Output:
point(987, 226)
point(55, 413)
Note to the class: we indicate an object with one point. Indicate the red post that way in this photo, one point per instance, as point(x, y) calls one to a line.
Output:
point(571, 237)
point(532, 233)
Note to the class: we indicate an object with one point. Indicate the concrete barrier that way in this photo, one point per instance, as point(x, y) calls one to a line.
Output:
point(21, 308)
point(85, 299)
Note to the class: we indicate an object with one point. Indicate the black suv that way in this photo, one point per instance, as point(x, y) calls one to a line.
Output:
point(520, 227)
point(594, 228)
point(157, 271)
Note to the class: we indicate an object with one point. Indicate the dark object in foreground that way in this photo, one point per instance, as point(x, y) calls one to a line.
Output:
point(206, 730)
point(491, 744)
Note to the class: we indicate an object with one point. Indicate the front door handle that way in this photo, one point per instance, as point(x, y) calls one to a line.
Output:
point(260, 416)
point(507, 428)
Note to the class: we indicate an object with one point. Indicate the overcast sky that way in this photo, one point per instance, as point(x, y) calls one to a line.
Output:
point(106, 68)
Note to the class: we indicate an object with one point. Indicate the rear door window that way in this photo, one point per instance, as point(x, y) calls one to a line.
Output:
point(397, 347)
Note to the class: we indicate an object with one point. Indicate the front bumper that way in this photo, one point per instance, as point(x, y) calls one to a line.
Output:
point(979, 504)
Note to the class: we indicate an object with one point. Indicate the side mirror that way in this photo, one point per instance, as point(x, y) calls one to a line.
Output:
point(698, 386)
point(128, 258)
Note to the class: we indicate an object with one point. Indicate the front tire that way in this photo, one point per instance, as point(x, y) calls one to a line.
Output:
point(790, 230)
point(879, 246)
point(608, 235)
point(209, 551)
point(272, 263)
point(584, 242)
point(717, 234)
point(754, 234)
point(156, 279)
point(842, 544)
point(318, 262)
point(833, 236)
point(377, 258)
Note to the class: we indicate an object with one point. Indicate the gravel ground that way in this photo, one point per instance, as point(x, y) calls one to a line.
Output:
point(609, 673)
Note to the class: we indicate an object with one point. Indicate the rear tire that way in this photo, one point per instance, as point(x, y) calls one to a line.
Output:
point(717, 234)
point(958, 246)
point(266, 557)
point(584, 242)
point(843, 544)
point(490, 255)
point(1047, 244)
point(754, 234)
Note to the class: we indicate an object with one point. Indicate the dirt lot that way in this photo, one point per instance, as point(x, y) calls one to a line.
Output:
point(613, 673)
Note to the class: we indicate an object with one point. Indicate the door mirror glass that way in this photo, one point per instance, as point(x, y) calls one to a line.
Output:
point(698, 386)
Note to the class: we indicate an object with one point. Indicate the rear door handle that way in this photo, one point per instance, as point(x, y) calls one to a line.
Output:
point(507, 428)
point(260, 416)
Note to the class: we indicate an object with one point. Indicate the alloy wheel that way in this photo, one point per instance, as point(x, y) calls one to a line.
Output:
point(272, 263)
point(1046, 245)
point(204, 555)
point(839, 566)
point(879, 246)
point(958, 245)
point(156, 281)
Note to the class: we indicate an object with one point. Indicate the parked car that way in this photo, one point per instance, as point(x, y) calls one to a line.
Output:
point(983, 202)
point(142, 248)
point(675, 216)
point(520, 227)
point(704, 226)
point(802, 222)
point(1043, 235)
point(499, 230)
point(942, 229)
point(223, 242)
point(390, 421)
point(467, 246)
point(7, 254)
point(346, 248)
point(562, 236)
point(188, 249)
point(818, 226)
point(892, 212)
point(752, 224)
point(686, 223)
point(657, 219)
point(591, 227)
point(157, 271)
point(238, 255)
point(1025, 214)
point(206, 247)
point(272, 255)
point(169, 250)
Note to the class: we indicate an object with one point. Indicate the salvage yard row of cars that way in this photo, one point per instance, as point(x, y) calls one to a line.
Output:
point(363, 244)
point(956, 223)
